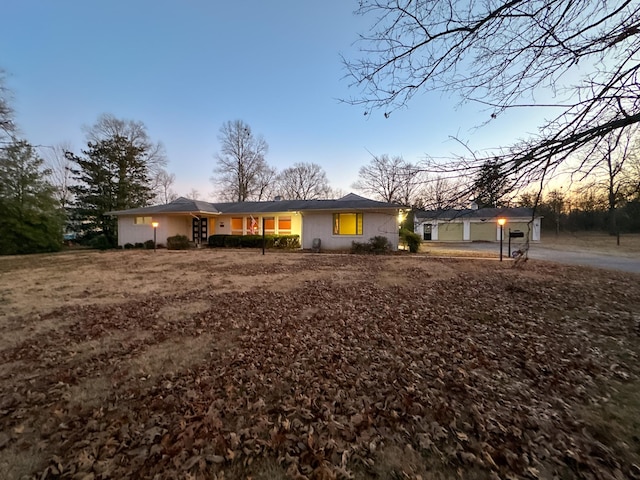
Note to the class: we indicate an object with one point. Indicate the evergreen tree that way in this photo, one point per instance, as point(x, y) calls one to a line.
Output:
point(491, 185)
point(113, 174)
point(31, 219)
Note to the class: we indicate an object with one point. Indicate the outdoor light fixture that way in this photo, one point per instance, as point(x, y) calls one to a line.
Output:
point(155, 229)
point(501, 222)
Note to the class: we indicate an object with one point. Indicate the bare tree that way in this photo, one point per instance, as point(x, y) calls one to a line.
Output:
point(266, 184)
point(7, 127)
point(303, 181)
point(390, 179)
point(194, 194)
point(108, 126)
point(60, 168)
point(631, 172)
point(440, 193)
point(501, 54)
point(615, 151)
point(241, 171)
point(162, 182)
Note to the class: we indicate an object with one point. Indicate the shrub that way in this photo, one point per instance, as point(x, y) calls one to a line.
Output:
point(217, 240)
point(412, 240)
point(254, 241)
point(178, 242)
point(377, 245)
point(288, 242)
point(232, 241)
point(380, 244)
point(128, 246)
point(149, 244)
point(138, 245)
point(101, 242)
point(360, 247)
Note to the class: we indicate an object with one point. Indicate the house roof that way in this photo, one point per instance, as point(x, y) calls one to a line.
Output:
point(185, 205)
point(480, 213)
point(180, 205)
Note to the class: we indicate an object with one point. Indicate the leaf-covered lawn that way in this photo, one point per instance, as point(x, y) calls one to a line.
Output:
point(231, 364)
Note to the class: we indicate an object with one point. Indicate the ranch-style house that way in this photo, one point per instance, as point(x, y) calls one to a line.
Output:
point(336, 223)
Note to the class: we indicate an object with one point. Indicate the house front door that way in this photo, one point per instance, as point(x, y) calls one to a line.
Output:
point(199, 230)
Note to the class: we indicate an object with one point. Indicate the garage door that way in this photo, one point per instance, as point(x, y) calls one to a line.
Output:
point(484, 231)
point(450, 232)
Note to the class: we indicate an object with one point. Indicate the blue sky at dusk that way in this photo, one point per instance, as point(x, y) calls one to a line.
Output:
point(186, 67)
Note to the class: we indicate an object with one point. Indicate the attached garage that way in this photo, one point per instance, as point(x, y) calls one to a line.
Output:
point(450, 231)
point(475, 224)
point(520, 226)
point(484, 231)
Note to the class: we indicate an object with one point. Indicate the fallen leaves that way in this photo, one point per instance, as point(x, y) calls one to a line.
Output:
point(462, 374)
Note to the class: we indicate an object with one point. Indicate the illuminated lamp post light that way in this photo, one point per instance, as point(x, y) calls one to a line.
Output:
point(155, 229)
point(501, 222)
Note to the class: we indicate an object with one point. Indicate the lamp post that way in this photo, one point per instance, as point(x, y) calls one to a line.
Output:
point(155, 228)
point(501, 222)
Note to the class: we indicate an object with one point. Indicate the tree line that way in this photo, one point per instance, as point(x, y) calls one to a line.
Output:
point(578, 59)
point(48, 192)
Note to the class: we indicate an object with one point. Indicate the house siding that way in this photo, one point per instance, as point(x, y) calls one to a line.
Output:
point(168, 226)
point(320, 225)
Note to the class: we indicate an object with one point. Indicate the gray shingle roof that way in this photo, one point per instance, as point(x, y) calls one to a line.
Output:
point(452, 214)
point(180, 205)
point(184, 205)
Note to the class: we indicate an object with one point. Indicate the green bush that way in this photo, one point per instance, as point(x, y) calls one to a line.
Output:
point(360, 247)
point(138, 245)
point(376, 245)
point(128, 246)
point(178, 242)
point(101, 242)
point(380, 244)
point(149, 245)
point(254, 241)
point(287, 242)
point(232, 241)
point(412, 240)
point(217, 240)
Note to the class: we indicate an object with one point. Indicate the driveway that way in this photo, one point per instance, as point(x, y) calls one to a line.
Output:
point(541, 252)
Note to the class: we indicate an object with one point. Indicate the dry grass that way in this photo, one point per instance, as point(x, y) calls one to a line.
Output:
point(230, 364)
point(594, 242)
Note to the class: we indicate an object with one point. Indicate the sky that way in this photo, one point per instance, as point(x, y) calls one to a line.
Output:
point(185, 67)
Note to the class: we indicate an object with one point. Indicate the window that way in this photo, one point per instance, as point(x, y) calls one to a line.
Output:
point(284, 225)
point(269, 224)
point(347, 224)
point(142, 221)
point(236, 226)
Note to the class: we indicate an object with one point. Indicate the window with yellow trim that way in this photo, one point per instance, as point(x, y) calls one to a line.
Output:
point(347, 224)
point(142, 221)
